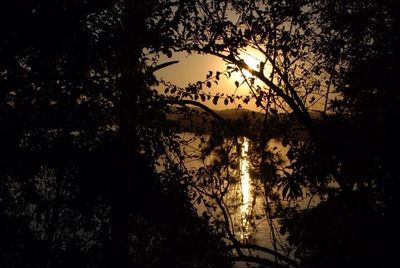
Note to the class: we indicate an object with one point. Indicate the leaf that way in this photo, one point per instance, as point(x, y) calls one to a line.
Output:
point(226, 101)
point(287, 174)
point(285, 191)
point(215, 100)
point(217, 75)
point(285, 142)
point(208, 84)
point(236, 83)
point(282, 230)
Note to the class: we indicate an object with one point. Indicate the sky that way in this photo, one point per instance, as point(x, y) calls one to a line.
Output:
point(195, 67)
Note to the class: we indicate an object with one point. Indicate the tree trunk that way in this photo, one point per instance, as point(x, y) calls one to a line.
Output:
point(126, 175)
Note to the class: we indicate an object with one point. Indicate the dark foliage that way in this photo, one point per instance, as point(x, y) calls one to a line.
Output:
point(62, 75)
point(356, 225)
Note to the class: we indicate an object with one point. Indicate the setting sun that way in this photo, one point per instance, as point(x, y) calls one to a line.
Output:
point(253, 58)
point(252, 61)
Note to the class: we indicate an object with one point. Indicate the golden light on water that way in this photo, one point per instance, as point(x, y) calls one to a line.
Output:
point(245, 178)
point(245, 191)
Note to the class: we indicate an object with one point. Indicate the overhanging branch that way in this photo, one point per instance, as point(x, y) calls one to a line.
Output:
point(266, 250)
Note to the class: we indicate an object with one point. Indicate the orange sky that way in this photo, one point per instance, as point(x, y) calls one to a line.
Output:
point(195, 67)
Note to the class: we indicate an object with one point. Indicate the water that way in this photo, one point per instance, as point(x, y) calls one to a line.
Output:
point(231, 189)
point(245, 206)
point(242, 199)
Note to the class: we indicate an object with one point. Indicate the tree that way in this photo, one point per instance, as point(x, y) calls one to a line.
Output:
point(54, 131)
point(367, 51)
point(79, 115)
point(311, 52)
point(75, 109)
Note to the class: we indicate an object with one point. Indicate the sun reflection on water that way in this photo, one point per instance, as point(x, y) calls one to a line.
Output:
point(245, 207)
point(245, 177)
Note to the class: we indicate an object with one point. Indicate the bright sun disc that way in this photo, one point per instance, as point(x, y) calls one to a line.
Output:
point(253, 59)
point(252, 62)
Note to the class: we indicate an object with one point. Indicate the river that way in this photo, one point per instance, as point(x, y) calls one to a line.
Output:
point(223, 186)
point(241, 196)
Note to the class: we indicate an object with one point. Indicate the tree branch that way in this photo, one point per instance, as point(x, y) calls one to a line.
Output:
point(266, 250)
point(258, 260)
point(298, 109)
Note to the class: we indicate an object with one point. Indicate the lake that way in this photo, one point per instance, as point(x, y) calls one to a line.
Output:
point(229, 193)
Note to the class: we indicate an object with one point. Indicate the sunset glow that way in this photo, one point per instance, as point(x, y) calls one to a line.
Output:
point(253, 58)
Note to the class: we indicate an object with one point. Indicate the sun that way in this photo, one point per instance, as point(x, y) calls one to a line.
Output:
point(252, 62)
point(253, 58)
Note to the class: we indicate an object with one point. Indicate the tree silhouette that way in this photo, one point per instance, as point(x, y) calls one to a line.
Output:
point(94, 171)
point(318, 59)
point(76, 172)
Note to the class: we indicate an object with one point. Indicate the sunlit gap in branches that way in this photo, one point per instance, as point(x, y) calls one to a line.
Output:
point(253, 59)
